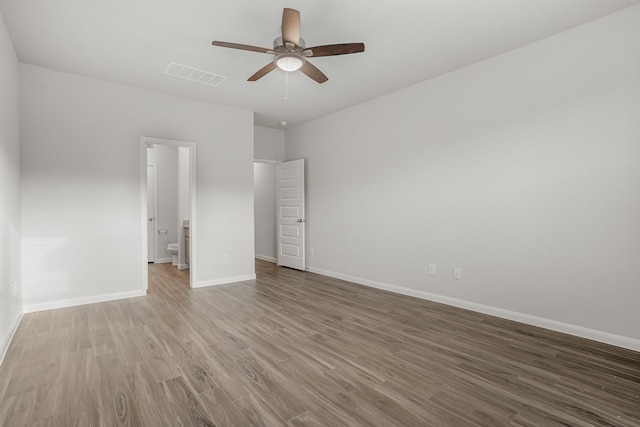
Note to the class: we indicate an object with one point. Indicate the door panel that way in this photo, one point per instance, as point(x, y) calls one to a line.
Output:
point(291, 220)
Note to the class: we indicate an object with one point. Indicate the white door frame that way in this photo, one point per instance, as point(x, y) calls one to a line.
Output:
point(144, 143)
point(155, 212)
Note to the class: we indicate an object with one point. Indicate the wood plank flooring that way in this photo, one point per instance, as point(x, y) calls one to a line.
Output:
point(299, 349)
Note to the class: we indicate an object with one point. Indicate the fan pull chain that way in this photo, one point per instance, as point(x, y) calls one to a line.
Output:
point(286, 85)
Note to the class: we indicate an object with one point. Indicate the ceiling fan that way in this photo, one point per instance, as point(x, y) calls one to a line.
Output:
point(290, 52)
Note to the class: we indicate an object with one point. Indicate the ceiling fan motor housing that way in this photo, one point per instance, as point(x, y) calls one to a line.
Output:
point(289, 57)
point(279, 46)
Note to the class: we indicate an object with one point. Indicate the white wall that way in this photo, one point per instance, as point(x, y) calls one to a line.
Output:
point(269, 149)
point(522, 170)
point(268, 144)
point(165, 160)
point(10, 281)
point(81, 185)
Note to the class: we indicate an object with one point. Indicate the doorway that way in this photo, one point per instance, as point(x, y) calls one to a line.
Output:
point(264, 210)
point(279, 219)
point(184, 221)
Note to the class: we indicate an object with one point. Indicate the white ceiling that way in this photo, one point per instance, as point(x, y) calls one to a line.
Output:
point(407, 41)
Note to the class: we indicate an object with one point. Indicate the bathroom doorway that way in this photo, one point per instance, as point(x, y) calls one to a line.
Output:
point(168, 223)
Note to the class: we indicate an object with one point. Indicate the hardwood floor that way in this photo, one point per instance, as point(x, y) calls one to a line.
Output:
point(299, 349)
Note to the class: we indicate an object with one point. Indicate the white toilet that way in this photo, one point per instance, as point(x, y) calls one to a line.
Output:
point(172, 248)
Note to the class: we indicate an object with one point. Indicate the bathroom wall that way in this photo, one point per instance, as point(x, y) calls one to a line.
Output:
point(165, 160)
point(184, 201)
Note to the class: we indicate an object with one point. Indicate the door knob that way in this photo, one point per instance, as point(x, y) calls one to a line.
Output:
point(302, 220)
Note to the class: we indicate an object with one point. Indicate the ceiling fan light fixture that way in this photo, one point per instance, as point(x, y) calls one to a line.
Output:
point(289, 62)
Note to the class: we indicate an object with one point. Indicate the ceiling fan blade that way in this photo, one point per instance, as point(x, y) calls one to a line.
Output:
point(312, 71)
point(262, 72)
point(334, 49)
point(242, 47)
point(291, 26)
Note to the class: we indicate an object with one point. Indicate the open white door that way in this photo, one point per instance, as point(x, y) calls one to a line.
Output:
point(291, 220)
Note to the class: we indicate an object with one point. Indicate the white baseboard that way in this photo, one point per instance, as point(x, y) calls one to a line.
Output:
point(163, 260)
point(266, 258)
point(579, 331)
point(30, 308)
point(183, 266)
point(224, 281)
point(7, 342)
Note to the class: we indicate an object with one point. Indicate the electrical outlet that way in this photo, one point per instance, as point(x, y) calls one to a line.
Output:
point(311, 251)
point(457, 273)
point(14, 288)
point(225, 258)
point(432, 269)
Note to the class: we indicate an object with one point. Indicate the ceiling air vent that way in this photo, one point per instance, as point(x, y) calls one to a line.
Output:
point(193, 74)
